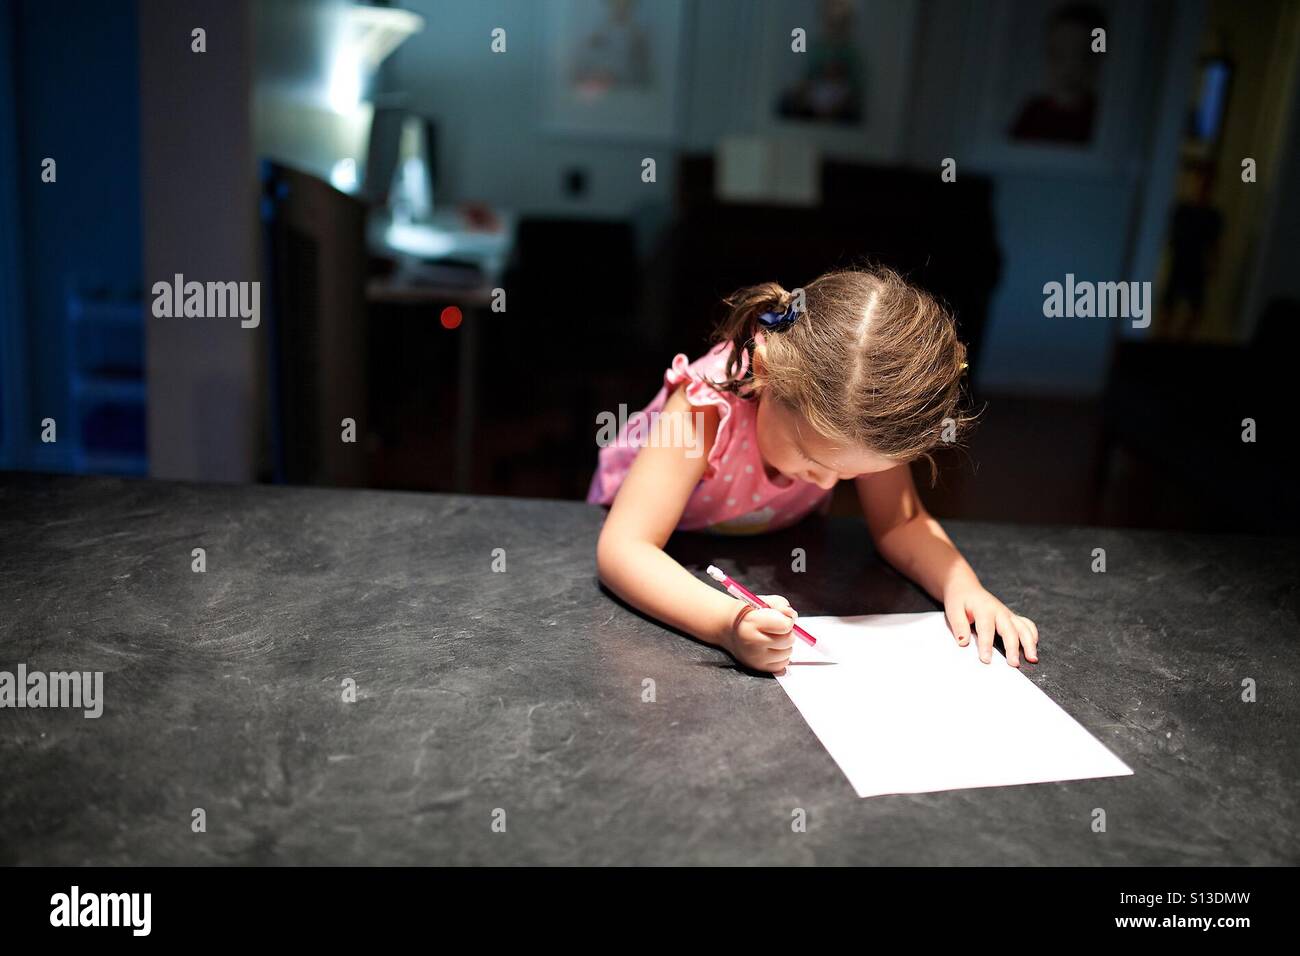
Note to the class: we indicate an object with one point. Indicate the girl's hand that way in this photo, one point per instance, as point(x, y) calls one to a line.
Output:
point(764, 639)
point(967, 604)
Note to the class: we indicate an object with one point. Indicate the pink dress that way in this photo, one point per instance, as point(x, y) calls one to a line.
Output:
point(735, 496)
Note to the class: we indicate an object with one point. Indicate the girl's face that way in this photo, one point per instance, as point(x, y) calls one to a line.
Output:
point(789, 446)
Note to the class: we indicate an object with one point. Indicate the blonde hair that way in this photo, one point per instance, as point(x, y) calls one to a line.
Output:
point(870, 361)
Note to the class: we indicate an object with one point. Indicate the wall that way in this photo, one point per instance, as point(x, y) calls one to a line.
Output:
point(1263, 60)
point(487, 106)
point(74, 67)
point(1049, 224)
point(13, 349)
point(200, 219)
point(1276, 274)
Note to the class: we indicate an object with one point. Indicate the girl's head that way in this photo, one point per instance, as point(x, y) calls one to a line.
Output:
point(866, 377)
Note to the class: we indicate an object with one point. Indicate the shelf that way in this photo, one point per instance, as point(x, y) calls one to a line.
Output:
point(89, 312)
point(127, 391)
point(111, 463)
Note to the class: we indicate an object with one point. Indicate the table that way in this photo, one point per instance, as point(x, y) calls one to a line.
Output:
point(522, 690)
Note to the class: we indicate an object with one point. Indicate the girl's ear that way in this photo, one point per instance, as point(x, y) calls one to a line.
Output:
point(760, 357)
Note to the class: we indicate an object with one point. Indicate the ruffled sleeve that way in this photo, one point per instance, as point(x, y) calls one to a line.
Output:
point(701, 394)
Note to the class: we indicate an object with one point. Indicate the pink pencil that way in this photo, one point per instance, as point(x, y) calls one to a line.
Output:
point(738, 590)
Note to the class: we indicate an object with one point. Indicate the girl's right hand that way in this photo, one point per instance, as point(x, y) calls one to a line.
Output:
point(764, 639)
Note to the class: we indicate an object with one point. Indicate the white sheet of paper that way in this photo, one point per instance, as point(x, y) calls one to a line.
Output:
point(907, 710)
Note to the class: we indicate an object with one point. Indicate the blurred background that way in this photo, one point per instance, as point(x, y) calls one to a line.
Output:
point(461, 247)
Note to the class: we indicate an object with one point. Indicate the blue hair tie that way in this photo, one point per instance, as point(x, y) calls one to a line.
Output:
point(779, 321)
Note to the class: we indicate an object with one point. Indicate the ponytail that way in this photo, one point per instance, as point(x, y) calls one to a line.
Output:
point(741, 325)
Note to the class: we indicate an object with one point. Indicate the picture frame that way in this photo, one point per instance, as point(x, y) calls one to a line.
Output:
point(611, 72)
point(800, 95)
point(1014, 126)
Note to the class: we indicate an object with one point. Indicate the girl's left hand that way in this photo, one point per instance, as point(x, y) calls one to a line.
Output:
point(968, 604)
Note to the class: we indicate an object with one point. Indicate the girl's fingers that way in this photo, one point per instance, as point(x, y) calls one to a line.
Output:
point(1010, 637)
point(778, 663)
point(779, 603)
point(959, 626)
point(772, 621)
point(781, 643)
point(1033, 629)
point(1028, 639)
point(774, 632)
point(984, 632)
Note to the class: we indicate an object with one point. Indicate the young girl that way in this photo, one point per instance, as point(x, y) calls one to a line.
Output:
point(853, 379)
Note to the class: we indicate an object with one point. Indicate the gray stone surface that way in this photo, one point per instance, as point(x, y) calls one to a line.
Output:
point(522, 690)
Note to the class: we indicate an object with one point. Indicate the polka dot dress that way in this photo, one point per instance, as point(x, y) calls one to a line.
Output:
point(735, 496)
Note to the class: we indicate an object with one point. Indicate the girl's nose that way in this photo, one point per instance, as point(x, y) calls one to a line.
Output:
point(823, 480)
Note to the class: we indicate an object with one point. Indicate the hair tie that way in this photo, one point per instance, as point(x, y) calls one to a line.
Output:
point(779, 321)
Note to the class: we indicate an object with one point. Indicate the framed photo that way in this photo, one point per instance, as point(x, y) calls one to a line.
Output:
point(611, 68)
point(841, 92)
point(1048, 100)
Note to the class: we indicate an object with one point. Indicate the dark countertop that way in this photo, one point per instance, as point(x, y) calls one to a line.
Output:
point(522, 690)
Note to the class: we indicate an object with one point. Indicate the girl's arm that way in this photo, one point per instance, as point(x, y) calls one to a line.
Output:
point(913, 542)
point(632, 563)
